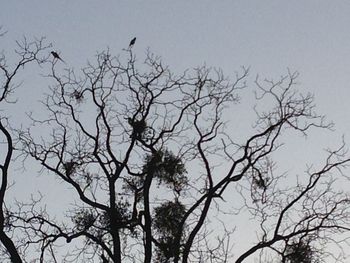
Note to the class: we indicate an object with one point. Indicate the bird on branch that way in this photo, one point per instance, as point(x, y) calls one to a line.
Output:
point(132, 42)
point(56, 56)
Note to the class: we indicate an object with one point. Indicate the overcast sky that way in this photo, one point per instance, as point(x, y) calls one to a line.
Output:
point(269, 36)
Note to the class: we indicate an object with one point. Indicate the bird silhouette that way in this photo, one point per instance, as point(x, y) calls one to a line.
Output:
point(56, 56)
point(132, 42)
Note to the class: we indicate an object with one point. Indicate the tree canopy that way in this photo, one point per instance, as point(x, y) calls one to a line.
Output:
point(156, 171)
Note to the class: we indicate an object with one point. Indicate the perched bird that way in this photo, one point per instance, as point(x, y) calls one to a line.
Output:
point(132, 42)
point(56, 56)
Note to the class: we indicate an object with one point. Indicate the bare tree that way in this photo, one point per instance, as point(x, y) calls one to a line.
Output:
point(141, 148)
point(27, 52)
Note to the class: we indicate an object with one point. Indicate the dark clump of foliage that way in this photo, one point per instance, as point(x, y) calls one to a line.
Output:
point(167, 168)
point(167, 222)
point(300, 252)
point(84, 219)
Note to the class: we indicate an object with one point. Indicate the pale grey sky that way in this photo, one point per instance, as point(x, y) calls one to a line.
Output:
point(270, 36)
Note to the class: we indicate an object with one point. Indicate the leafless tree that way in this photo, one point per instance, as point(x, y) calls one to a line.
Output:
point(26, 52)
point(152, 161)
